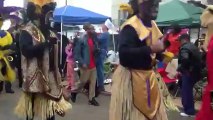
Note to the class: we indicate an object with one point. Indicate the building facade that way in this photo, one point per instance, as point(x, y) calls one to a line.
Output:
point(202, 1)
point(210, 2)
point(1, 3)
point(115, 10)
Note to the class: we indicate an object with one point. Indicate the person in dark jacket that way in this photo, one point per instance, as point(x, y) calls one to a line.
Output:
point(62, 64)
point(189, 66)
point(17, 53)
point(18, 61)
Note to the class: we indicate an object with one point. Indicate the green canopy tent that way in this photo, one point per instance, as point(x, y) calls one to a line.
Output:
point(178, 12)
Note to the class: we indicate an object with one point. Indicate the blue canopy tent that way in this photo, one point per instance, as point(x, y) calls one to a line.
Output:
point(77, 16)
point(71, 15)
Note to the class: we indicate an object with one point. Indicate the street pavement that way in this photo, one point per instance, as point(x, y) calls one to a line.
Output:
point(80, 111)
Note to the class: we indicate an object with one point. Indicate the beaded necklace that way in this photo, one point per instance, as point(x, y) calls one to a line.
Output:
point(35, 32)
point(37, 35)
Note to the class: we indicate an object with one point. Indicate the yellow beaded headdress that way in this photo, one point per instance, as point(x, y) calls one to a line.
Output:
point(129, 7)
point(126, 7)
point(41, 2)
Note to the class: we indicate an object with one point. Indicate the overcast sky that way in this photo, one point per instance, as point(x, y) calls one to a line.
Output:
point(18, 3)
point(98, 6)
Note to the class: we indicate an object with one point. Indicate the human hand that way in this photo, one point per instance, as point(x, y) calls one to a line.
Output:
point(179, 74)
point(157, 47)
point(202, 47)
point(84, 66)
point(53, 40)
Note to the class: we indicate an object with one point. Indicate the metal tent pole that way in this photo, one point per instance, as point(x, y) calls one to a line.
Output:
point(61, 41)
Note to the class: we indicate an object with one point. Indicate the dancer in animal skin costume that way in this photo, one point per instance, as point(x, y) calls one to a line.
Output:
point(135, 91)
point(42, 94)
point(167, 57)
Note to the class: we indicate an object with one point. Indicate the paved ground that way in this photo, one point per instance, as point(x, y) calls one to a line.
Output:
point(81, 110)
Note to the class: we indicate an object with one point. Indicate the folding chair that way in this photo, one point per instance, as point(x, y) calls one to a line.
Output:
point(167, 80)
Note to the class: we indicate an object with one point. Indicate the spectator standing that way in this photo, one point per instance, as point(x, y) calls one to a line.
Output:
point(189, 66)
point(103, 39)
point(70, 65)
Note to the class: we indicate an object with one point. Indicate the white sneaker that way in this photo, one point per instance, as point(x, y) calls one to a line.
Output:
point(186, 115)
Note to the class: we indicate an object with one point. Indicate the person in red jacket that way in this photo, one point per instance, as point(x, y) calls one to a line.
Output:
point(206, 111)
point(172, 37)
